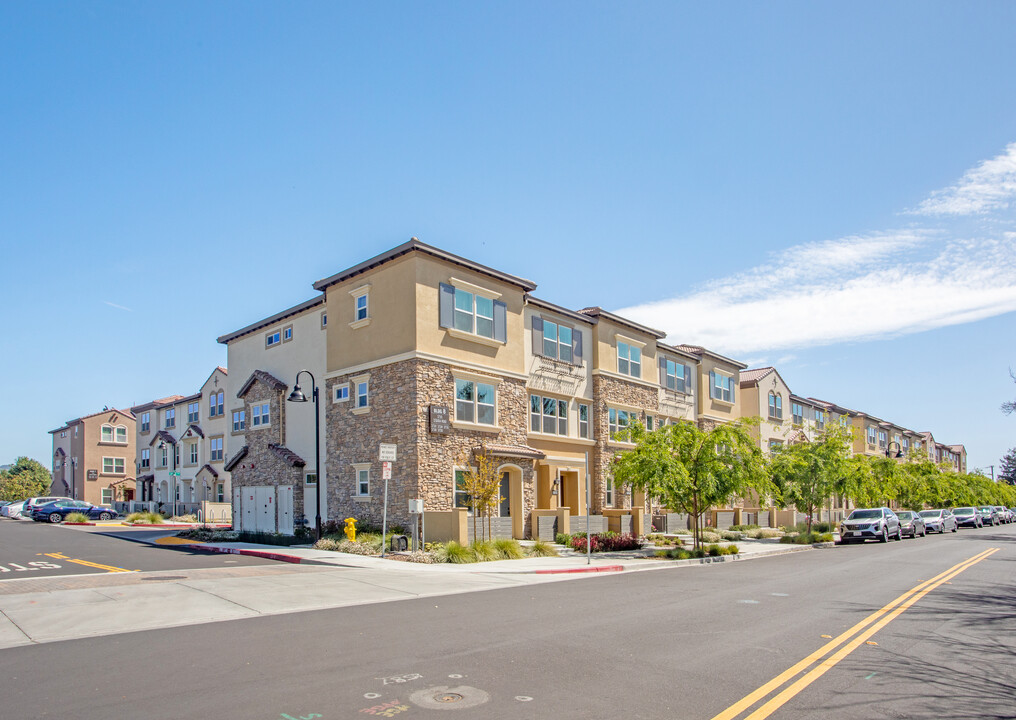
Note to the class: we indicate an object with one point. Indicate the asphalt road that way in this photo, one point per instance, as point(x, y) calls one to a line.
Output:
point(30, 549)
point(675, 643)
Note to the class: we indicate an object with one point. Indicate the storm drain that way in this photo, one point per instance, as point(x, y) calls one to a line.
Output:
point(443, 697)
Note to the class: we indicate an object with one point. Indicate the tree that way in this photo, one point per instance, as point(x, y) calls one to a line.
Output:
point(1007, 471)
point(693, 469)
point(483, 486)
point(1009, 406)
point(807, 473)
point(26, 478)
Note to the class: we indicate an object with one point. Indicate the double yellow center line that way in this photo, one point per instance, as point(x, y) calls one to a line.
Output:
point(828, 656)
point(86, 563)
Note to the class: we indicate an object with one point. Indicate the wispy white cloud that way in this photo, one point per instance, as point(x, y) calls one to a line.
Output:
point(118, 307)
point(863, 287)
point(989, 186)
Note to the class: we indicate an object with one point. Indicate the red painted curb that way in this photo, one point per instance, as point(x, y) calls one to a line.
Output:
point(176, 525)
point(602, 568)
point(295, 559)
point(70, 523)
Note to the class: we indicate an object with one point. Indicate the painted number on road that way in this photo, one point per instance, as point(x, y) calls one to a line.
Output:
point(36, 565)
point(399, 678)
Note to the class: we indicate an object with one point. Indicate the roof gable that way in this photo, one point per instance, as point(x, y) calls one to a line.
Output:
point(265, 378)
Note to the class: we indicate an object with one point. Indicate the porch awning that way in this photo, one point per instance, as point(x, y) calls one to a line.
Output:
point(516, 451)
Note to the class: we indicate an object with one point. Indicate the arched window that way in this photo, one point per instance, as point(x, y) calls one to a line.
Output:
point(779, 406)
point(775, 406)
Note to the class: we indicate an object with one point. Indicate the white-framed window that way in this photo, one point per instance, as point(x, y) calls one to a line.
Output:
point(906, 445)
point(360, 309)
point(273, 338)
point(217, 404)
point(475, 402)
point(239, 420)
point(871, 434)
point(474, 313)
point(649, 422)
point(557, 341)
point(63, 434)
point(619, 420)
point(548, 415)
point(361, 475)
point(107, 496)
point(110, 434)
point(608, 491)
point(340, 393)
point(193, 447)
point(287, 333)
point(461, 497)
point(820, 419)
point(146, 422)
point(363, 394)
point(215, 448)
point(220, 492)
point(775, 406)
point(164, 459)
point(121, 434)
point(112, 466)
point(324, 320)
point(146, 459)
point(193, 412)
point(310, 479)
point(260, 415)
point(721, 387)
point(583, 421)
point(106, 433)
point(882, 437)
point(176, 454)
point(797, 413)
point(171, 417)
point(676, 375)
point(629, 359)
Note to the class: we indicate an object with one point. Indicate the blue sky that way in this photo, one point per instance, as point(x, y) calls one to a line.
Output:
point(830, 188)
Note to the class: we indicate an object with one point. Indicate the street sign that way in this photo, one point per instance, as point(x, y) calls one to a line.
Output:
point(386, 470)
point(387, 452)
point(175, 473)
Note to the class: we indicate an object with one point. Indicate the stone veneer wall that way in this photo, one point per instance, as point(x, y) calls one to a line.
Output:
point(400, 396)
point(609, 390)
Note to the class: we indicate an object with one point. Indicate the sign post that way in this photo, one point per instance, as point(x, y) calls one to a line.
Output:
point(386, 454)
point(416, 509)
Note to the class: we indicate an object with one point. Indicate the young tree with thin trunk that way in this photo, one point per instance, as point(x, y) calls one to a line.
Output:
point(807, 473)
point(483, 486)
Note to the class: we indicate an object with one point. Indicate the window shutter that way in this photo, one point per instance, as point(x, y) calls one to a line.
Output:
point(576, 346)
point(733, 389)
point(712, 383)
point(500, 321)
point(537, 335)
point(663, 371)
point(446, 306)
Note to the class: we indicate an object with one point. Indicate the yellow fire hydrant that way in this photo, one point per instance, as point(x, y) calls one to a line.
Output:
point(351, 529)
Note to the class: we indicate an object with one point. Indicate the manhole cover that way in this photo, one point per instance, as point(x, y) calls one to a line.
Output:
point(443, 697)
point(166, 577)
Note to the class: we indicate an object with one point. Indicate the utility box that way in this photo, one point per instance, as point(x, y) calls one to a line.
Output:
point(400, 543)
point(416, 506)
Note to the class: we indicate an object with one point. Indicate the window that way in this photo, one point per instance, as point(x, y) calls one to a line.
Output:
point(287, 333)
point(461, 496)
point(63, 434)
point(362, 394)
point(112, 466)
point(106, 433)
point(363, 482)
point(107, 496)
point(216, 449)
point(609, 492)
point(618, 421)
point(360, 307)
point(548, 415)
point(217, 404)
point(721, 387)
point(629, 359)
point(557, 341)
point(220, 492)
point(775, 406)
point(820, 419)
point(193, 412)
point(260, 415)
point(324, 320)
point(675, 376)
point(474, 314)
point(121, 434)
point(176, 455)
point(797, 413)
point(273, 338)
point(906, 445)
point(239, 420)
point(146, 422)
point(146, 459)
point(474, 402)
point(171, 418)
point(340, 392)
point(649, 423)
point(194, 453)
point(882, 439)
point(165, 457)
point(871, 435)
point(584, 421)
point(775, 445)
point(310, 479)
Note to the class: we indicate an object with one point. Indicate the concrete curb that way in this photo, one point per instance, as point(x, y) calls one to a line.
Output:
point(170, 525)
point(563, 571)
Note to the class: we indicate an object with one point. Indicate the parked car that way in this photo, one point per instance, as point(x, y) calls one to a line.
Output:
point(14, 509)
point(37, 502)
point(939, 520)
point(55, 512)
point(967, 517)
point(870, 524)
point(989, 516)
point(912, 524)
point(1003, 514)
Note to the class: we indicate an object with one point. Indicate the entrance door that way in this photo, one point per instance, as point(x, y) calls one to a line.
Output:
point(505, 509)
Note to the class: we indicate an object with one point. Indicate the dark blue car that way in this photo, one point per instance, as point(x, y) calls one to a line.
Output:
point(55, 512)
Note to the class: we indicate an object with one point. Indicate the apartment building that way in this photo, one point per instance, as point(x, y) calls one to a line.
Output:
point(180, 446)
point(93, 457)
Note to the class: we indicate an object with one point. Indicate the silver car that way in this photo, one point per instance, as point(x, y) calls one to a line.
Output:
point(939, 520)
point(870, 524)
point(912, 524)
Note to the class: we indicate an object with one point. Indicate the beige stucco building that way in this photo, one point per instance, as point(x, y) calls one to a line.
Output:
point(93, 457)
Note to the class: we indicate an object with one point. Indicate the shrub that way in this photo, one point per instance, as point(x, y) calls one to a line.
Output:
point(764, 533)
point(714, 550)
point(484, 550)
point(76, 518)
point(508, 549)
point(731, 535)
point(542, 548)
point(578, 542)
point(185, 518)
point(731, 550)
point(663, 540)
point(563, 539)
point(806, 538)
point(454, 552)
point(209, 535)
point(674, 554)
point(606, 542)
point(147, 518)
point(709, 536)
point(744, 527)
point(698, 552)
point(822, 527)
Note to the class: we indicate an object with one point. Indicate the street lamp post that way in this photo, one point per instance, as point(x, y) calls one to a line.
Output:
point(298, 396)
point(899, 450)
point(172, 473)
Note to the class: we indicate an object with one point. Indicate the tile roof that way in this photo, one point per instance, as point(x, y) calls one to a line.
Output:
point(68, 423)
point(210, 470)
point(755, 374)
point(271, 320)
point(265, 377)
point(146, 478)
point(286, 455)
point(197, 429)
point(597, 312)
point(232, 462)
point(699, 350)
point(520, 451)
point(164, 437)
